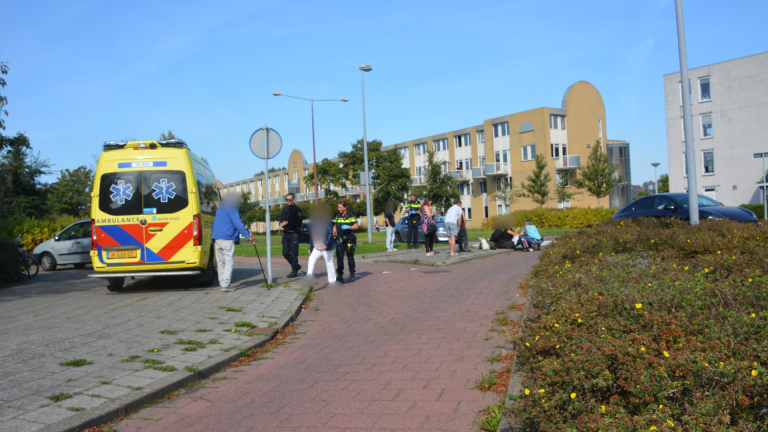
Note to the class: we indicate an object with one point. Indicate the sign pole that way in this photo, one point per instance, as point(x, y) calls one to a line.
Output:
point(268, 224)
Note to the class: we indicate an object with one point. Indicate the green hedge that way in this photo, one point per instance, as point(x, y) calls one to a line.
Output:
point(9, 262)
point(649, 324)
point(553, 218)
point(756, 208)
point(35, 231)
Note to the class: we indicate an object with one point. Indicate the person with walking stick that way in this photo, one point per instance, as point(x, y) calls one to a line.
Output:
point(227, 228)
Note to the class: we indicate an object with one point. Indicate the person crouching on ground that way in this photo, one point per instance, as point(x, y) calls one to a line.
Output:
point(227, 228)
point(345, 225)
point(530, 237)
point(290, 222)
point(321, 241)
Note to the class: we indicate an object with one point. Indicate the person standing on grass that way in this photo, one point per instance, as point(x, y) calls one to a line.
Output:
point(452, 223)
point(530, 237)
point(426, 216)
point(345, 225)
point(290, 222)
point(227, 228)
point(321, 242)
point(389, 221)
point(412, 212)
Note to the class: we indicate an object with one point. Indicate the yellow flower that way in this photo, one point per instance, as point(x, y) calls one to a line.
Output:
point(651, 241)
point(602, 409)
point(671, 423)
point(661, 406)
point(689, 241)
point(639, 305)
point(718, 252)
point(577, 251)
point(601, 254)
point(750, 280)
point(753, 315)
point(653, 427)
point(526, 344)
point(557, 325)
point(706, 270)
point(155, 349)
point(557, 347)
point(666, 354)
point(233, 330)
point(642, 349)
point(754, 373)
point(541, 390)
point(573, 395)
point(579, 319)
point(527, 392)
point(686, 267)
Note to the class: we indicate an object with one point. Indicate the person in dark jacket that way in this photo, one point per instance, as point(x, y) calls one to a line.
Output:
point(321, 241)
point(463, 241)
point(290, 222)
point(345, 225)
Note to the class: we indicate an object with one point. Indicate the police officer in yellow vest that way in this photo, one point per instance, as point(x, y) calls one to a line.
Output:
point(344, 226)
point(412, 212)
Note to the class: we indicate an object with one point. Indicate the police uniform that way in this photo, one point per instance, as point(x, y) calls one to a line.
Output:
point(413, 211)
point(346, 241)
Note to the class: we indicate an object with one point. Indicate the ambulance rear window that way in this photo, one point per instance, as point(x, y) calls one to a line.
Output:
point(120, 193)
point(165, 192)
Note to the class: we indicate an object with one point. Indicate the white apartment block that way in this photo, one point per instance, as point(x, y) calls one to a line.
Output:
point(729, 104)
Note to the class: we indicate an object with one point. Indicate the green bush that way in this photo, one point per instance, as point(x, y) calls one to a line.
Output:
point(649, 323)
point(9, 262)
point(756, 208)
point(35, 230)
point(554, 218)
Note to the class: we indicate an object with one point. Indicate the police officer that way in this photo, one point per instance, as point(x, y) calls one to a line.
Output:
point(413, 213)
point(344, 225)
point(290, 222)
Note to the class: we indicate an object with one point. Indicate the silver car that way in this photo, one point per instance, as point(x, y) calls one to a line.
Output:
point(71, 246)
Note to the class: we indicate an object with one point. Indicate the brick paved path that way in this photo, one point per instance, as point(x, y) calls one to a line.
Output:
point(393, 351)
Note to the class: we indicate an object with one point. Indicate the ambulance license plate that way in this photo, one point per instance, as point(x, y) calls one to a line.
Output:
point(121, 254)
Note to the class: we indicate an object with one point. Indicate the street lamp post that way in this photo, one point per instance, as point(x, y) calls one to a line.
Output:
point(368, 209)
point(312, 105)
point(655, 178)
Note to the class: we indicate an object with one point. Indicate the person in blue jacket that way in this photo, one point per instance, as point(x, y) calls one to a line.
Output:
point(227, 228)
point(321, 241)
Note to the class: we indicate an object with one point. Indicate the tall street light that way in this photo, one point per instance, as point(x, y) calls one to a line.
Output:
point(368, 209)
point(655, 178)
point(690, 150)
point(312, 104)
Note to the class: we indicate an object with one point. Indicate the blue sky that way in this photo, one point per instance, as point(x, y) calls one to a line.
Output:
point(87, 72)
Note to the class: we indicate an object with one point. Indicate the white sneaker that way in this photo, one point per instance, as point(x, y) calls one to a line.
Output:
point(227, 289)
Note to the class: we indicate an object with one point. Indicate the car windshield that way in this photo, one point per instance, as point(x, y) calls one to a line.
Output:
point(439, 218)
point(703, 202)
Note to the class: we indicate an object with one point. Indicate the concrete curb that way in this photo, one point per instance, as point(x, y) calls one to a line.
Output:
point(509, 423)
point(135, 400)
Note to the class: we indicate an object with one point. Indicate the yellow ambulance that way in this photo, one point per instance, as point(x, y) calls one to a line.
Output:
point(152, 211)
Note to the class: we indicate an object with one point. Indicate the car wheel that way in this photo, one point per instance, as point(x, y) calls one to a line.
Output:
point(48, 262)
point(398, 237)
point(115, 284)
point(80, 266)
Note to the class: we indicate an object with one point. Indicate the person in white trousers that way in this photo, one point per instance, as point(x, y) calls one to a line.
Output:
point(389, 221)
point(227, 227)
point(321, 242)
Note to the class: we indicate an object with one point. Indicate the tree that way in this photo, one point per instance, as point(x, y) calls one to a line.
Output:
point(598, 176)
point(505, 193)
point(640, 195)
point(664, 183)
point(3, 99)
point(71, 194)
point(21, 192)
point(168, 136)
point(247, 208)
point(563, 192)
point(328, 174)
point(537, 186)
point(390, 180)
point(441, 187)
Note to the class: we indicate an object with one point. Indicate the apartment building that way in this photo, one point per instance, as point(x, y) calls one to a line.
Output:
point(729, 103)
point(483, 156)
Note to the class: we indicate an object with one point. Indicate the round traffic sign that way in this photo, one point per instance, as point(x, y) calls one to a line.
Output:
point(266, 143)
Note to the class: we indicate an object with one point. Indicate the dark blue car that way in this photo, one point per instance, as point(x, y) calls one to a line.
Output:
point(676, 205)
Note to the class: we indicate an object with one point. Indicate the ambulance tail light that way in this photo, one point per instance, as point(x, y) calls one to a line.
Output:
point(197, 232)
point(93, 234)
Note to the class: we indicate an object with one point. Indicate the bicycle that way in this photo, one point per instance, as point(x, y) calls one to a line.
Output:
point(29, 264)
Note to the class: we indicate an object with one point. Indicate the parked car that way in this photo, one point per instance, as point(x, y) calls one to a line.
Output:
point(401, 230)
point(71, 246)
point(676, 205)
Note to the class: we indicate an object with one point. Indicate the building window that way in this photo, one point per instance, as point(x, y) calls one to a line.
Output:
point(421, 148)
point(404, 152)
point(481, 159)
point(501, 129)
point(483, 187)
point(564, 204)
point(708, 158)
point(529, 152)
point(559, 150)
point(486, 213)
point(706, 126)
point(286, 177)
point(562, 179)
point(294, 164)
point(295, 175)
point(685, 166)
point(556, 122)
point(261, 185)
point(461, 141)
point(481, 137)
point(469, 213)
point(253, 185)
point(441, 144)
point(704, 93)
point(306, 172)
point(710, 192)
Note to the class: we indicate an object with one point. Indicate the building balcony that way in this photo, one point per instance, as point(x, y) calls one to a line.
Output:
point(461, 175)
point(567, 162)
point(418, 181)
point(497, 169)
point(301, 197)
point(293, 183)
point(478, 172)
point(353, 190)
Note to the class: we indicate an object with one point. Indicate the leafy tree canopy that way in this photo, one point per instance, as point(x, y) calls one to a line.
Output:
point(536, 186)
point(664, 183)
point(598, 176)
point(168, 136)
point(441, 187)
point(71, 194)
point(21, 192)
point(3, 99)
